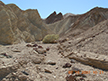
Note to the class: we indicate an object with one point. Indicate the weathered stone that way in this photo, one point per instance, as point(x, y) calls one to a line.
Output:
point(73, 61)
point(70, 78)
point(35, 45)
point(51, 62)
point(47, 48)
point(24, 72)
point(36, 60)
point(47, 71)
point(67, 65)
point(40, 47)
point(16, 50)
point(40, 51)
point(22, 77)
point(91, 60)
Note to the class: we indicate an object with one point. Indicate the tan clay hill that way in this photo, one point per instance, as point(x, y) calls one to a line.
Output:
point(17, 25)
point(81, 53)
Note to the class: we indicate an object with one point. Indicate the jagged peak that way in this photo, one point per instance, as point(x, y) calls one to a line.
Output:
point(60, 13)
point(54, 12)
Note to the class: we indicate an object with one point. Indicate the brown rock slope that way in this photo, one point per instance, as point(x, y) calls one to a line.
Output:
point(95, 39)
point(30, 22)
point(62, 26)
point(73, 25)
point(90, 47)
point(17, 25)
point(88, 20)
point(8, 25)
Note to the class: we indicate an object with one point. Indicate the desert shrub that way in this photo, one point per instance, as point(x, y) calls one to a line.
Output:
point(51, 38)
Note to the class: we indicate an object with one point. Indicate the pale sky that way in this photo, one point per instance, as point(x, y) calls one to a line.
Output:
point(46, 7)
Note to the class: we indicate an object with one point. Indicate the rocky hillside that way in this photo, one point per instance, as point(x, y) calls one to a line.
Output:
point(88, 20)
point(81, 53)
point(94, 39)
point(17, 25)
point(72, 25)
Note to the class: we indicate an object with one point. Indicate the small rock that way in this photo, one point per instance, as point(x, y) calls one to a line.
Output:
point(73, 61)
point(40, 47)
point(69, 42)
point(84, 55)
point(24, 72)
point(9, 56)
point(67, 65)
point(51, 62)
point(16, 50)
point(35, 49)
point(29, 45)
point(60, 51)
point(47, 48)
point(40, 51)
point(22, 78)
point(74, 70)
point(4, 54)
point(37, 60)
point(82, 79)
point(45, 54)
point(54, 76)
point(1, 56)
point(56, 67)
point(35, 45)
point(70, 78)
point(79, 75)
point(47, 71)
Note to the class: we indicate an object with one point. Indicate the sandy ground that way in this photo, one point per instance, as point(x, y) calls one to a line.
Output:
point(42, 71)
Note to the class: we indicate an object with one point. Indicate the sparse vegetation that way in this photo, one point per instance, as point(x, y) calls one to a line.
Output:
point(51, 38)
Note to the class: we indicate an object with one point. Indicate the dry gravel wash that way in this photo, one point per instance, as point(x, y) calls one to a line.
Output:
point(25, 64)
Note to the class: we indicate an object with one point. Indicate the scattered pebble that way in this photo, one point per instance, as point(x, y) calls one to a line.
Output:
point(67, 65)
point(47, 71)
